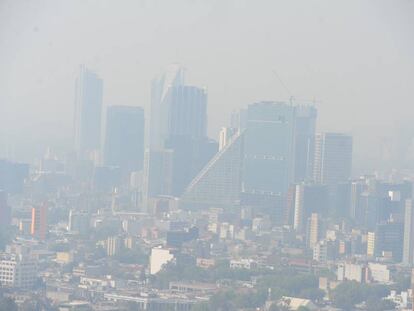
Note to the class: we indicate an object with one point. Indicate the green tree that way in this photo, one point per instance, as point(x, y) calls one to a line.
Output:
point(347, 294)
point(373, 304)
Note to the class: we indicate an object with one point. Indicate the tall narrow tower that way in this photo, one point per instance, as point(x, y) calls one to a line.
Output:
point(161, 104)
point(333, 158)
point(88, 112)
point(39, 224)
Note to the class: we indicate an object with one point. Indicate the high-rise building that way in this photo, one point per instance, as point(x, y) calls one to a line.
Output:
point(333, 158)
point(12, 176)
point(187, 115)
point(161, 104)
point(219, 182)
point(313, 230)
point(124, 138)
point(226, 133)
point(113, 245)
point(408, 250)
point(305, 126)
point(17, 271)
point(39, 227)
point(88, 111)
point(357, 188)
point(78, 222)
point(268, 148)
point(5, 210)
point(255, 167)
point(309, 199)
point(158, 172)
point(187, 134)
point(387, 240)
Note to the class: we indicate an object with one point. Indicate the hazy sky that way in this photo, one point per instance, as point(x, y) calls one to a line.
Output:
point(355, 57)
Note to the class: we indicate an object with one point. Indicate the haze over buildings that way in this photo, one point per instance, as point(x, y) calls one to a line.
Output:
point(206, 155)
point(233, 47)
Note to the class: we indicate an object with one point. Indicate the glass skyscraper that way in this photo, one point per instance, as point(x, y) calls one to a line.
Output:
point(88, 111)
point(268, 148)
point(124, 138)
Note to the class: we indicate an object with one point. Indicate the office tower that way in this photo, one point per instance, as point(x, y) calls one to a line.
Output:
point(113, 245)
point(226, 133)
point(5, 210)
point(158, 171)
point(219, 182)
point(333, 158)
point(313, 230)
point(161, 104)
point(39, 227)
point(305, 126)
point(12, 176)
point(388, 239)
point(17, 271)
point(187, 134)
point(88, 110)
point(370, 206)
point(309, 198)
point(408, 250)
point(238, 119)
point(187, 115)
point(371, 241)
point(357, 188)
point(340, 201)
point(268, 148)
point(124, 138)
point(78, 222)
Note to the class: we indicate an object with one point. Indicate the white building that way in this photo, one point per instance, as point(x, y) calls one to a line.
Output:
point(243, 264)
point(352, 272)
point(17, 271)
point(159, 257)
point(379, 272)
point(320, 251)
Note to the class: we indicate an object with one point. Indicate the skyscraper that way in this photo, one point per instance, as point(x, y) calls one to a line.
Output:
point(305, 126)
point(187, 115)
point(408, 250)
point(219, 182)
point(39, 226)
point(268, 148)
point(333, 158)
point(124, 138)
point(158, 170)
point(309, 198)
point(226, 134)
point(187, 134)
point(88, 110)
point(313, 230)
point(161, 104)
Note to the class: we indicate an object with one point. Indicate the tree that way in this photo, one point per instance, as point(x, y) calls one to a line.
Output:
point(8, 304)
point(276, 307)
point(314, 294)
point(346, 295)
point(382, 305)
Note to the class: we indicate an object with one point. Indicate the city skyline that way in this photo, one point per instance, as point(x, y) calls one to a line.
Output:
point(206, 155)
point(312, 72)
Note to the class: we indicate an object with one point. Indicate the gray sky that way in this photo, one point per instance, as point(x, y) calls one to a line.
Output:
point(356, 57)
